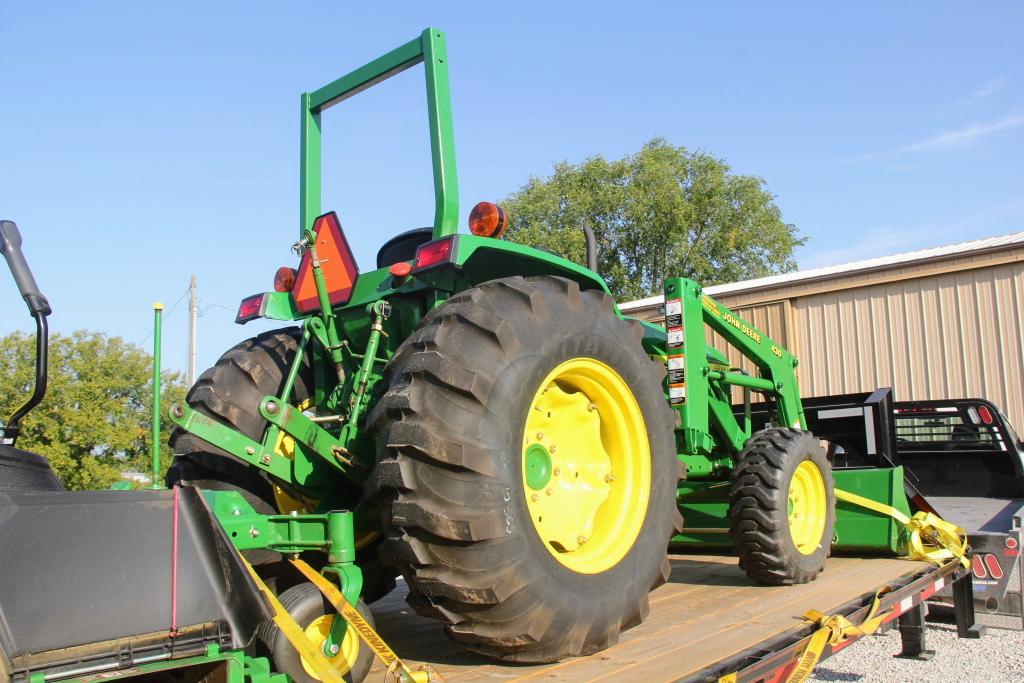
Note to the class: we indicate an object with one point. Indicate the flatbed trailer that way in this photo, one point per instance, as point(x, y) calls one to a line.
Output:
point(994, 527)
point(709, 623)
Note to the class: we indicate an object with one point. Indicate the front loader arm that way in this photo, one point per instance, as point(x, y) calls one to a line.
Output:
point(692, 377)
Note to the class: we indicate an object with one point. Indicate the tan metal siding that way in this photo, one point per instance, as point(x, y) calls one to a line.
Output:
point(931, 330)
point(949, 335)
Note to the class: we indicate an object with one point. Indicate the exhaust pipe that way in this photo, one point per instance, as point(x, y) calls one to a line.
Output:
point(588, 233)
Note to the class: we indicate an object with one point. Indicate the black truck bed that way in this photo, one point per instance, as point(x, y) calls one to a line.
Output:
point(990, 515)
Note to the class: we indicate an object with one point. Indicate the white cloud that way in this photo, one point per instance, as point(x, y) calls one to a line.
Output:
point(986, 89)
point(989, 220)
point(966, 135)
point(959, 137)
point(873, 243)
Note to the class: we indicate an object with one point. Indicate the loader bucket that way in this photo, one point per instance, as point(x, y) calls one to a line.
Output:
point(86, 584)
point(705, 509)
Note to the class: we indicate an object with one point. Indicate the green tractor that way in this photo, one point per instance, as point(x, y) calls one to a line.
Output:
point(509, 442)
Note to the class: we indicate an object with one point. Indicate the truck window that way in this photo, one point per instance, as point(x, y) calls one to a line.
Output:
point(943, 431)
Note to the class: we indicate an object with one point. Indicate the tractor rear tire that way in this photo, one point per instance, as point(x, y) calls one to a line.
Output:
point(782, 507)
point(308, 607)
point(462, 466)
point(230, 393)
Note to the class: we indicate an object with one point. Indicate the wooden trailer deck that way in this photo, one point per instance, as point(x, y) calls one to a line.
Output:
point(708, 611)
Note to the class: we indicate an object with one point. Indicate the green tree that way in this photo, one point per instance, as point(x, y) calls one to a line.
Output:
point(662, 211)
point(95, 420)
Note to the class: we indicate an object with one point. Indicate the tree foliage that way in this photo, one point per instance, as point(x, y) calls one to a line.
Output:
point(95, 420)
point(663, 211)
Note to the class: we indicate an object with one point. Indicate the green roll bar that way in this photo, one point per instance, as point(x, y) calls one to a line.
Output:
point(428, 48)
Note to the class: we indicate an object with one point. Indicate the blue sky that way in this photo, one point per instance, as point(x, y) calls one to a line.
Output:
point(141, 142)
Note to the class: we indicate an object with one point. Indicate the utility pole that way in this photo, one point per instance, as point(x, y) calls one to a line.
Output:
point(190, 374)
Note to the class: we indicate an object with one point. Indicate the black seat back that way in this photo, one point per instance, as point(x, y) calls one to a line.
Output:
point(403, 247)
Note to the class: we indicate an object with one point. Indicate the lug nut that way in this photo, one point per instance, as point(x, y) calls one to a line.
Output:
point(609, 478)
point(549, 491)
point(591, 407)
point(552, 449)
point(534, 497)
point(540, 436)
point(557, 472)
point(582, 539)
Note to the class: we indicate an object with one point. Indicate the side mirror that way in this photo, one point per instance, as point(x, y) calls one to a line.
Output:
point(39, 308)
point(10, 247)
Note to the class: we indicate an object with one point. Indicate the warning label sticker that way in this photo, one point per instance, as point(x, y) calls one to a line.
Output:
point(675, 337)
point(676, 394)
point(676, 370)
point(674, 313)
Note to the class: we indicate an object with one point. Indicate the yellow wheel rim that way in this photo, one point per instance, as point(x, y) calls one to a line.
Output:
point(285, 445)
point(586, 465)
point(806, 507)
point(347, 653)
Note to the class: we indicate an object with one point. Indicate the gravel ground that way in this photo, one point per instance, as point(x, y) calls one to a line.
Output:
point(997, 657)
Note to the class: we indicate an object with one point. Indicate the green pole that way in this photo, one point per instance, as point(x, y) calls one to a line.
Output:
point(158, 309)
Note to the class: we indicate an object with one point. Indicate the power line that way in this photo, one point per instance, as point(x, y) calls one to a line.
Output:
point(165, 315)
point(190, 373)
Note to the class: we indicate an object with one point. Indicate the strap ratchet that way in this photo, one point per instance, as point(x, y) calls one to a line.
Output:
point(931, 538)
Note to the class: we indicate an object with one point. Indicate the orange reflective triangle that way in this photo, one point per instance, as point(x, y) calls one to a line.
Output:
point(336, 263)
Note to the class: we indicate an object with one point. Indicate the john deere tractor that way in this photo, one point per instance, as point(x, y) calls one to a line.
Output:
point(509, 442)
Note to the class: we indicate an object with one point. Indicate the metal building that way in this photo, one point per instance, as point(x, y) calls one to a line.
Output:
point(935, 323)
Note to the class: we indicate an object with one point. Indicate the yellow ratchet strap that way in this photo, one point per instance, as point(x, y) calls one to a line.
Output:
point(931, 537)
point(834, 629)
point(363, 629)
point(294, 633)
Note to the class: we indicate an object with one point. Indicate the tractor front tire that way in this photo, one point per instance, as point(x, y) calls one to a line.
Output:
point(528, 458)
point(782, 507)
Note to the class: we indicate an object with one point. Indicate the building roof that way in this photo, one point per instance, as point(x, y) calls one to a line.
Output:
point(883, 262)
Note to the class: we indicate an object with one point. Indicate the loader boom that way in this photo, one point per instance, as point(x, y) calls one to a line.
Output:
point(699, 388)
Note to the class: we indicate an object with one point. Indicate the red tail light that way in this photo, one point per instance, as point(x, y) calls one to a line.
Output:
point(978, 567)
point(250, 309)
point(434, 253)
point(985, 414)
point(992, 563)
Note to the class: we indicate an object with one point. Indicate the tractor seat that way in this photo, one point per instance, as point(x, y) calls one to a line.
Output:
point(403, 247)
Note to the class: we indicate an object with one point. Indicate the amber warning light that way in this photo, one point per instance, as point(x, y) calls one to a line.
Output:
point(487, 220)
point(284, 279)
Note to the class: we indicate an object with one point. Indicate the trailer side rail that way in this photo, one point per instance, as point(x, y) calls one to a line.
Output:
point(774, 660)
